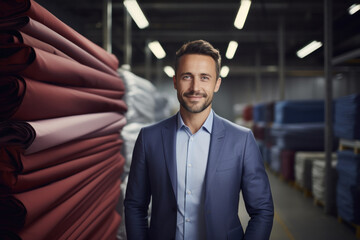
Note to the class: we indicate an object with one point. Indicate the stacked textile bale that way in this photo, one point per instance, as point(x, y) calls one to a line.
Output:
point(263, 116)
point(60, 161)
point(303, 167)
point(348, 190)
point(319, 184)
point(347, 117)
point(298, 126)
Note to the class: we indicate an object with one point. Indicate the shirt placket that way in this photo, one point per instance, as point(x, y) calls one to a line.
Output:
point(187, 197)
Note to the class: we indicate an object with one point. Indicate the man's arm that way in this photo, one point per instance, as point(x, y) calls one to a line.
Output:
point(256, 193)
point(137, 194)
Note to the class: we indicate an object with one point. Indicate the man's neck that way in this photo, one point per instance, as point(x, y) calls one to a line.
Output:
point(194, 120)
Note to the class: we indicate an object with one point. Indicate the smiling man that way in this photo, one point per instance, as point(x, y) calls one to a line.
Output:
point(194, 165)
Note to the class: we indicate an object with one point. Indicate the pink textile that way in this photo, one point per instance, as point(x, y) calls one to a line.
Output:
point(53, 132)
point(40, 14)
point(36, 179)
point(60, 102)
point(42, 200)
point(39, 65)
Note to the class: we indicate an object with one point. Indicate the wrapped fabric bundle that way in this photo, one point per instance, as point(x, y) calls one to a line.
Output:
point(348, 190)
point(259, 112)
point(303, 167)
point(347, 117)
point(259, 130)
point(130, 133)
point(299, 137)
point(35, 11)
point(248, 113)
point(287, 164)
point(299, 111)
point(275, 163)
point(319, 184)
point(140, 98)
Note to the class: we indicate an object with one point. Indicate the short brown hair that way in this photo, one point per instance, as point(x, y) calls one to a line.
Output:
point(199, 47)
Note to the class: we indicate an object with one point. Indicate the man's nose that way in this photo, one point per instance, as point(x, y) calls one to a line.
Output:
point(195, 84)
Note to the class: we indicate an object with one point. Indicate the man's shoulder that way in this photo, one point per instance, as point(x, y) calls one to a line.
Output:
point(232, 127)
point(168, 122)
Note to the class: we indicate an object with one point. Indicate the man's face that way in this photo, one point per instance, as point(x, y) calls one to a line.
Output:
point(196, 82)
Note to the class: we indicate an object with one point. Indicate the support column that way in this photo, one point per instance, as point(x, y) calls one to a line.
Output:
point(127, 39)
point(328, 53)
point(147, 61)
point(107, 25)
point(281, 49)
point(258, 75)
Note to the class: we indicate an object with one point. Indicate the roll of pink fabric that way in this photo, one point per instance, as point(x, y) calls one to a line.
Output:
point(43, 66)
point(56, 131)
point(40, 14)
point(53, 223)
point(60, 101)
point(38, 35)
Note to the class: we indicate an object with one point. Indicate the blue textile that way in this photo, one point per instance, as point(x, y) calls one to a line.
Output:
point(299, 137)
point(263, 112)
point(347, 117)
point(348, 186)
point(304, 111)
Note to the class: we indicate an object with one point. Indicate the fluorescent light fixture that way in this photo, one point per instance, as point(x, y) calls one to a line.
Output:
point(135, 12)
point(157, 49)
point(354, 8)
point(308, 49)
point(230, 52)
point(224, 71)
point(242, 14)
point(169, 71)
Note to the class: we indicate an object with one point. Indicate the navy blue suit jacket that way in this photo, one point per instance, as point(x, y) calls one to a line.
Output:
point(234, 165)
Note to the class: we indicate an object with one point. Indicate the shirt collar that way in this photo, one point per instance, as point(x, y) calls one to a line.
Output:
point(208, 124)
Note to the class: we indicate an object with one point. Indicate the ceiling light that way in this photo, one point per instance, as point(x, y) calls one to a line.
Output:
point(135, 12)
point(224, 71)
point(308, 49)
point(242, 14)
point(169, 71)
point(230, 52)
point(156, 49)
point(354, 8)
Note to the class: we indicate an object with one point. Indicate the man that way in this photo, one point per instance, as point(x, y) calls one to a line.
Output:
point(194, 165)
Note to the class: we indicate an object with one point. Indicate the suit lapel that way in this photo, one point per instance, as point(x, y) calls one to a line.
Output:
point(169, 148)
point(216, 146)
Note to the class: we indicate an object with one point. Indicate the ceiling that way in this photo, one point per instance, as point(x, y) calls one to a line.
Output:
point(174, 22)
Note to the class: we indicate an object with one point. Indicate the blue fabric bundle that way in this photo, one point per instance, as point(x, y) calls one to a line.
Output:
point(299, 137)
point(275, 163)
point(259, 112)
point(347, 117)
point(304, 111)
point(348, 186)
point(263, 112)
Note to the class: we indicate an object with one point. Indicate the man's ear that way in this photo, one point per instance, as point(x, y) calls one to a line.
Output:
point(217, 85)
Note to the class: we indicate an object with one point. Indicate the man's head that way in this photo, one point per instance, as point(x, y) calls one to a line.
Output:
point(196, 76)
point(199, 47)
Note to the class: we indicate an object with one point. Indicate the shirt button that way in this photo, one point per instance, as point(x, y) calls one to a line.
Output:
point(189, 165)
point(188, 192)
point(191, 138)
point(187, 220)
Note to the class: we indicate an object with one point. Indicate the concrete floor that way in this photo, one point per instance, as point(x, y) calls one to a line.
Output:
point(297, 218)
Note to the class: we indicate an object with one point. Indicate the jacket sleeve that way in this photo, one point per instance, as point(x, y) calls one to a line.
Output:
point(256, 192)
point(137, 196)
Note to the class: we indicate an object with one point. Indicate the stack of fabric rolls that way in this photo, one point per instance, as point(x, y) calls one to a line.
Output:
point(61, 114)
point(347, 128)
point(298, 126)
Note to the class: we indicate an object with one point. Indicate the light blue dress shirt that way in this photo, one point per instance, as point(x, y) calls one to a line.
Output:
point(192, 152)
